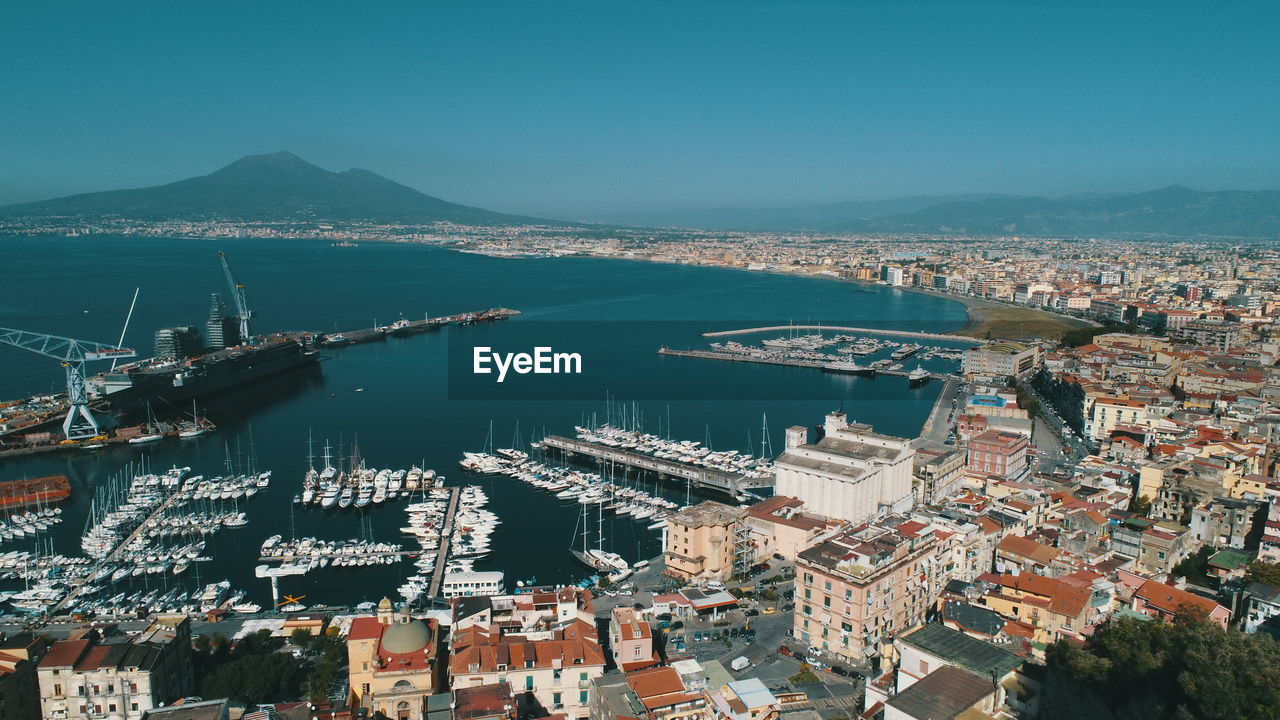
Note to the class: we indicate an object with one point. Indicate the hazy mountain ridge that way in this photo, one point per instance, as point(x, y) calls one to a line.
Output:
point(273, 187)
point(1174, 210)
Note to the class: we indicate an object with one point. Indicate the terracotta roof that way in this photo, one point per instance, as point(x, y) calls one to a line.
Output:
point(64, 653)
point(1057, 596)
point(1028, 548)
point(1167, 598)
point(655, 682)
point(364, 628)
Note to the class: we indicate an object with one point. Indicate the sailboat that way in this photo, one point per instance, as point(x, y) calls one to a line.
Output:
point(197, 427)
point(598, 558)
point(151, 435)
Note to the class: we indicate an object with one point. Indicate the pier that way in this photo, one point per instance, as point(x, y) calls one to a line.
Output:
point(779, 359)
point(702, 477)
point(446, 535)
point(411, 327)
point(843, 328)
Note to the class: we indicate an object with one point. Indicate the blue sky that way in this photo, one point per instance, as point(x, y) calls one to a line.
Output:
point(570, 109)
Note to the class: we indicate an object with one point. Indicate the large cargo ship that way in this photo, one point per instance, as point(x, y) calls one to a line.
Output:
point(165, 383)
point(43, 491)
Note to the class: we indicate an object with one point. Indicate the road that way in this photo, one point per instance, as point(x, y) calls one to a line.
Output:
point(938, 426)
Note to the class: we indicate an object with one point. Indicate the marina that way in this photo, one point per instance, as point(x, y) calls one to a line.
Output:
point(831, 366)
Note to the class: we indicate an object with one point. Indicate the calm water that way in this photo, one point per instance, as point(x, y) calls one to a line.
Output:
point(81, 287)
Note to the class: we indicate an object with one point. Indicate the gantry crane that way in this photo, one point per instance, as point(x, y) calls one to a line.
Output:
point(243, 313)
point(73, 354)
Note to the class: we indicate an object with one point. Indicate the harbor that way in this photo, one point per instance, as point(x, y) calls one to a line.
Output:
point(394, 395)
point(404, 327)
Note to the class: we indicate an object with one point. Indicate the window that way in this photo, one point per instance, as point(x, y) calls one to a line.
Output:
point(555, 700)
point(133, 707)
point(828, 586)
point(555, 675)
point(528, 683)
point(582, 698)
point(582, 677)
point(826, 602)
point(808, 610)
point(111, 707)
point(57, 689)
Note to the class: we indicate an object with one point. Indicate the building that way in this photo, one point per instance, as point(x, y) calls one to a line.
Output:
point(779, 526)
point(707, 542)
point(393, 663)
point(1001, 360)
point(484, 702)
point(924, 651)
point(947, 692)
point(464, 584)
point(1169, 603)
point(541, 642)
point(222, 330)
point(852, 473)
point(19, 686)
point(746, 699)
point(178, 342)
point(117, 678)
point(1055, 608)
point(1221, 335)
point(859, 588)
point(891, 275)
point(655, 694)
point(631, 640)
point(938, 474)
point(999, 453)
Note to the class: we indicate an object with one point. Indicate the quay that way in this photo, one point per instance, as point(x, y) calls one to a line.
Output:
point(410, 327)
point(446, 535)
point(843, 328)
point(771, 359)
point(702, 477)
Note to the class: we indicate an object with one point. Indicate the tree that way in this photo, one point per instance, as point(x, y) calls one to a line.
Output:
point(1141, 506)
point(1131, 668)
point(1194, 567)
point(300, 637)
point(1263, 572)
point(254, 678)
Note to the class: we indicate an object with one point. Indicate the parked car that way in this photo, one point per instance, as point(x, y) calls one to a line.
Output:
point(841, 671)
point(677, 625)
point(778, 556)
point(752, 612)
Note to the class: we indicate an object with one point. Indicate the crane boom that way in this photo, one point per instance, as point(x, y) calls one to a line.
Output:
point(73, 354)
point(238, 296)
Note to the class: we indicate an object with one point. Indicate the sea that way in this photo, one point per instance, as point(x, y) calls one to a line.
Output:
point(402, 400)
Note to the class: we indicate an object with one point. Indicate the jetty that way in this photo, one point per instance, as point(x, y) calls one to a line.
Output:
point(702, 477)
point(446, 535)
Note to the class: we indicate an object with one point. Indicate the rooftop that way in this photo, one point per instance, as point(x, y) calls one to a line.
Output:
point(955, 647)
point(944, 694)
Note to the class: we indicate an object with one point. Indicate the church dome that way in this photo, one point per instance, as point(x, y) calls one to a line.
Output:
point(401, 638)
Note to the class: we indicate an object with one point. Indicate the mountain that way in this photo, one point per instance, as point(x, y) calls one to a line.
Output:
point(830, 217)
point(274, 187)
point(1173, 210)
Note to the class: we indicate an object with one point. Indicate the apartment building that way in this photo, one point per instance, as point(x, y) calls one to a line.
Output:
point(709, 541)
point(117, 678)
point(1000, 453)
point(859, 588)
point(542, 643)
point(1001, 360)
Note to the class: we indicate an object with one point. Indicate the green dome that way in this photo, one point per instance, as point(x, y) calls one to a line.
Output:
point(401, 638)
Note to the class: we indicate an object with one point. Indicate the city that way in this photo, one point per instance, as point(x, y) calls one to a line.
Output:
point(719, 361)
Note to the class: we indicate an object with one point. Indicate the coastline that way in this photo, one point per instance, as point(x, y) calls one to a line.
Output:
point(984, 317)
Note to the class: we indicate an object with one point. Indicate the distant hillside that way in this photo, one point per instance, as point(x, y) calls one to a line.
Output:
point(274, 187)
point(1176, 211)
point(1170, 211)
point(831, 217)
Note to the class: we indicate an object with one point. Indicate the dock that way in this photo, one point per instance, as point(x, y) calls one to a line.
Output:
point(779, 359)
point(115, 555)
point(702, 477)
point(413, 327)
point(446, 535)
point(845, 328)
